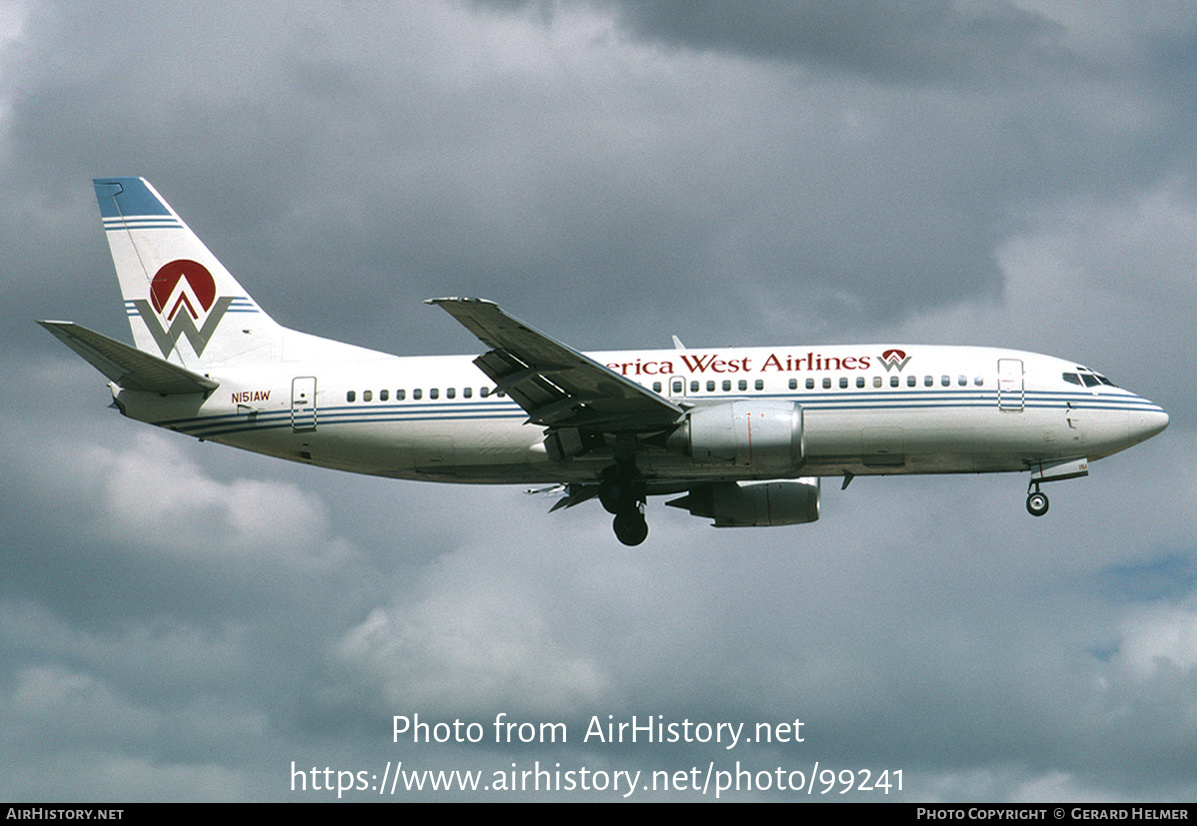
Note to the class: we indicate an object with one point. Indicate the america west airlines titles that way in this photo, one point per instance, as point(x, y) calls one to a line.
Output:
point(697, 364)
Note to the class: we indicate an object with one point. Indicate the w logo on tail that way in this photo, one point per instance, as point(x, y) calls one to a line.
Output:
point(183, 292)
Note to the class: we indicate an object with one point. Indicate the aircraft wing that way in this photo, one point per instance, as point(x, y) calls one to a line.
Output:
point(129, 367)
point(557, 386)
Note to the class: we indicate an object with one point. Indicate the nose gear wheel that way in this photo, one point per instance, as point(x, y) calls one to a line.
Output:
point(1037, 503)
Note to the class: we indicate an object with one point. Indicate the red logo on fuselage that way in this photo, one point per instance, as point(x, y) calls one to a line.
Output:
point(894, 359)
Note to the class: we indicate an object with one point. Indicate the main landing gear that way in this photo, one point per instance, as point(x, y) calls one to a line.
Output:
point(1036, 501)
point(622, 493)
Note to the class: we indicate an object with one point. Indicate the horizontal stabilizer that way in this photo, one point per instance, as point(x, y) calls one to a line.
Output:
point(129, 367)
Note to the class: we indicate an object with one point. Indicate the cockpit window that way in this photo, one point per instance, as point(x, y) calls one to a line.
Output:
point(1091, 379)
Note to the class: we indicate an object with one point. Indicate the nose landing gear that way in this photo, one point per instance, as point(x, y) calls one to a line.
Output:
point(1036, 501)
point(1050, 472)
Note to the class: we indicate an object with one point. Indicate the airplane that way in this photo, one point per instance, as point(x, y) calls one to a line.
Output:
point(741, 435)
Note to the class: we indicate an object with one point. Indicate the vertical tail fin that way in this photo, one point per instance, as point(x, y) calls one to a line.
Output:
point(181, 301)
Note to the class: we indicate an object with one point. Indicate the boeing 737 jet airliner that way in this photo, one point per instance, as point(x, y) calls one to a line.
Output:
point(740, 435)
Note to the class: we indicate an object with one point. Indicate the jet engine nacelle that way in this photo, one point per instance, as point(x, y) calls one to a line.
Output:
point(751, 433)
point(754, 504)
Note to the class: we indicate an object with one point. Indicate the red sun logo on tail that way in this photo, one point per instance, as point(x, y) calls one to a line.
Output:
point(198, 286)
point(186, 285)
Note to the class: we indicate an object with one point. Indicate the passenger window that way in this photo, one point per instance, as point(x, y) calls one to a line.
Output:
point(743, 384)
point(793, 384)
point(417, 394)
point(367, 395)
point(383, 395)
point(760, 384)
point(843, 382)
point(962, 381)
point(451, 393)
point(467, 392)
point(483, 392)
point(827, 383)
point(694, 386)
point(810, 384)
point(912, 381)
point(877, 381)
point(979, 380)
point(727, 385)
point(678, 384)
point(894, 381)
point(710, 385)
point(928, 381)
point(400, 395)
point(656, 387)
point(945, 380)
point(351, 396)
point(434, 393)
point(860, 381)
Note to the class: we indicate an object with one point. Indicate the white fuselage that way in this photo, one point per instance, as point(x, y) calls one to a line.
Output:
point(917, 409)
point(739, 432)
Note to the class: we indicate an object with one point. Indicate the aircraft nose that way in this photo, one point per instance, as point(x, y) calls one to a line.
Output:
point(1148, 422)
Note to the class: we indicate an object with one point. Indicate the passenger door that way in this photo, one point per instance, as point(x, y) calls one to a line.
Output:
point(1011, 390)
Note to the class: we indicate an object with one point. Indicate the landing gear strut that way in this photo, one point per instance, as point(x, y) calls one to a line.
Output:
point(1036, 501)
point(1051, 472)
point(622, 493)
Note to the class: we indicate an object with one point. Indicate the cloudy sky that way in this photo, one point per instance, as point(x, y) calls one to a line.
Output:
point(180, 621)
